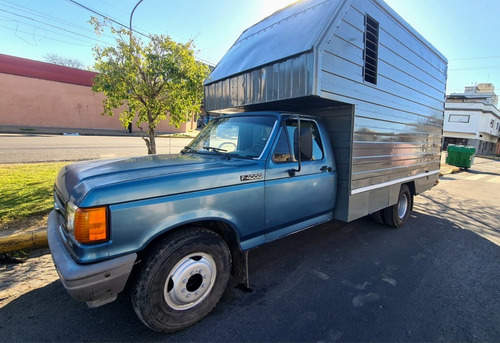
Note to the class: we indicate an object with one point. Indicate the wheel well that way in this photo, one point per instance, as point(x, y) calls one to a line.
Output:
point(225, 231)
point(411, 186)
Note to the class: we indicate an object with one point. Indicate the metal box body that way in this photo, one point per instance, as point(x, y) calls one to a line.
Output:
point(309, 57)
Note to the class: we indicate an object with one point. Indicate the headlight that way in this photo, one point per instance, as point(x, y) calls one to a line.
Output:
point(70, 217)
point(88, 225)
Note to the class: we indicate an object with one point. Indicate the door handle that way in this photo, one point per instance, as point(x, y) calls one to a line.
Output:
point(326, 168)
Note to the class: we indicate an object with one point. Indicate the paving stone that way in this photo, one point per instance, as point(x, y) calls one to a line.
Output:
point(35, 272)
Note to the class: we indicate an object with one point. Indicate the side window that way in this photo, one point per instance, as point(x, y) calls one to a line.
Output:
point(285, 150)
point(282, 151)
point(316, 141)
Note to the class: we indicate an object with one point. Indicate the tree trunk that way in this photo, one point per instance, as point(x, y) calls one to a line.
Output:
point(152, 142)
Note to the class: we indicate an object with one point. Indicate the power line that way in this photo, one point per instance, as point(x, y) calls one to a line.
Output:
point(473, 58)
point(106, 17)
point(475, 68)
point(30, 14)
point(23, 9)
point(49, 38)
point(59, 28)
point(39, 24)
point(125, 26)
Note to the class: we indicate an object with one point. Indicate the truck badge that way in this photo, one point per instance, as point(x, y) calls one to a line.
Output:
point(251, 177)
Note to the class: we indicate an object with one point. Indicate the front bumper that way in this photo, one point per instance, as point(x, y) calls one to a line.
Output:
point(97, 283)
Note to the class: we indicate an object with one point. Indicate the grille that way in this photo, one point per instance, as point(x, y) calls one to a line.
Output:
point(60, 207)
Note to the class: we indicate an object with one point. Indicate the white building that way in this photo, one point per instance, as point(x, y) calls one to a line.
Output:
point(472, 118)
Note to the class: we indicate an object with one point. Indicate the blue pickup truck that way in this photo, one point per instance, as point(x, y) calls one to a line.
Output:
point(342, 121)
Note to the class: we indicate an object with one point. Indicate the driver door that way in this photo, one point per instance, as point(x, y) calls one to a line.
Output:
point(302, 200)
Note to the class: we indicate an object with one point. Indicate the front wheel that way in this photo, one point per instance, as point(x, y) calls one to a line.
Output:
point(182, 280)
point(397, 214)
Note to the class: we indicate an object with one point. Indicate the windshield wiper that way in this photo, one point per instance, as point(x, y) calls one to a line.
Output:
point(218, 151)
point(187, 149)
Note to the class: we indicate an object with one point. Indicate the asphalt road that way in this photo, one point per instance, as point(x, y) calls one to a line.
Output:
point(434, 280)
point(19, 148)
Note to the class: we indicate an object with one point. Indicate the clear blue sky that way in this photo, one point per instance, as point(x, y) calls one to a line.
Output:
point(465, 31)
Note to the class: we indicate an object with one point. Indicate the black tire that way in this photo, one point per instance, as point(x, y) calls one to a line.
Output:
point(397, 214)
point(378, 217)
point(181, 280)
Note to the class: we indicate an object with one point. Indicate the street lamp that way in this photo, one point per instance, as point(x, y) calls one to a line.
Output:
point(131, 15)
point(130, 44)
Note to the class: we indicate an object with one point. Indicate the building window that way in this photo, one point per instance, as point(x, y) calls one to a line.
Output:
point(371, 50)
point(459, 118)
point(455, 141)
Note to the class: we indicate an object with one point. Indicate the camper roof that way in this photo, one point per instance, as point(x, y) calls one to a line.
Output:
point(287, 32)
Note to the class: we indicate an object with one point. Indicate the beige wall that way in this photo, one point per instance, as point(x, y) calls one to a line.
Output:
point(30, 102)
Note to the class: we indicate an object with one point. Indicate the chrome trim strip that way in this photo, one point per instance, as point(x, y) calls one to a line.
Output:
point(393, 182)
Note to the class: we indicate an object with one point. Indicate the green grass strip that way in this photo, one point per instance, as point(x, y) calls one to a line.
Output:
point(26, 190)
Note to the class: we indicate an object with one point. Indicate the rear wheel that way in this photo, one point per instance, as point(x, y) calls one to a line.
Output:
point(378, 216)
point(181, 280)
point(397, 214)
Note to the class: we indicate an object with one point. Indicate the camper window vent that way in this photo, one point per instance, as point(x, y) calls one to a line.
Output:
point(371, 50)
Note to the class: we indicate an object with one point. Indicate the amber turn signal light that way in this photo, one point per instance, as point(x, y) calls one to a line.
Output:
point(91, 225)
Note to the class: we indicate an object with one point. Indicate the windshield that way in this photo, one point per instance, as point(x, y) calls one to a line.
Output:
point(243, 137)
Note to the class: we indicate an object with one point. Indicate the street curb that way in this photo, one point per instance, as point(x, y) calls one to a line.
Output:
point(26, 240)
point(447, 169)
point(489, 157)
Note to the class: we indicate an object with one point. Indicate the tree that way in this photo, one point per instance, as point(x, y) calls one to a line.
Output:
point(64, 61)
point(150, 82)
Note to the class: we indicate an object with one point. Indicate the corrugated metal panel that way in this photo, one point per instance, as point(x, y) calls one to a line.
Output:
point(288, 32)
point(292, 78)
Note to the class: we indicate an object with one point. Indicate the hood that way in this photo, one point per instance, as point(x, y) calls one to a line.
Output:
point(111, 181)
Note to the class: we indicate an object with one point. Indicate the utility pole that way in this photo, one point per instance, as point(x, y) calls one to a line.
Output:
point(130, 44)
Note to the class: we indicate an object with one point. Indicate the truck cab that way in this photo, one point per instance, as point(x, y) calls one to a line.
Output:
point(247, 179)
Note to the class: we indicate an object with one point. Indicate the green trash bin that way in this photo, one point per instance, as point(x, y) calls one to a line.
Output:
point(460, 156)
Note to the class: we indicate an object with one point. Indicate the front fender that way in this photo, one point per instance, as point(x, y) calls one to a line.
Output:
point(135, 224)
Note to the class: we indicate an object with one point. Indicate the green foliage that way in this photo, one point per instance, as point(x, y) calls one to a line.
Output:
point(149, 81)
point(26, 190)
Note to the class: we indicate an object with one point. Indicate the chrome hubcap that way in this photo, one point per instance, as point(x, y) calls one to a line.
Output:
point(402, 206)
point(190, 281)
